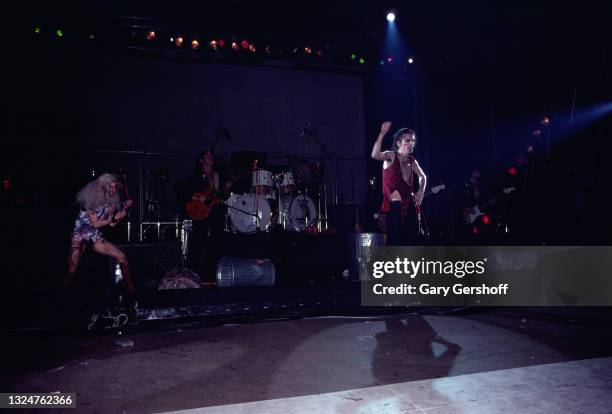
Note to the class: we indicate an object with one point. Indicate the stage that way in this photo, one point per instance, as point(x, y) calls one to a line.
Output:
point(308, 207)
point(524, 360)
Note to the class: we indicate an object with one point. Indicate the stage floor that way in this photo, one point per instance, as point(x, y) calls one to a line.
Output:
point(517, 360)
point(575, 386)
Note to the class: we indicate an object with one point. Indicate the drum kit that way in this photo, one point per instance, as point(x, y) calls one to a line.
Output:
point(275, 201)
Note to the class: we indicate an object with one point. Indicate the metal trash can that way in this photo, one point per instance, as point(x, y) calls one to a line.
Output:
point(358, 243)
point(236, 271)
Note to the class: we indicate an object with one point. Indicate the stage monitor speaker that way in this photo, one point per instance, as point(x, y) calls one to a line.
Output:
point(235, 271)
point(150, 262)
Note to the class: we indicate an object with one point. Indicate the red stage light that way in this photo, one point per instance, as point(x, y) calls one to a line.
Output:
point(244, 44)
point(213, 44)
point(252, 48)
point(512, 171)
point(179, 41)
point(150, 35)
point(319, 52)
point(475, 230)
point(486, 220)
point(221, 43)
point(234, 46)
point(308, 50)
point(7, 183)
point(195, 44)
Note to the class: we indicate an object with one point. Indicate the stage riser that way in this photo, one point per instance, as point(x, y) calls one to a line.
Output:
point(150, 262)
point(297, 258)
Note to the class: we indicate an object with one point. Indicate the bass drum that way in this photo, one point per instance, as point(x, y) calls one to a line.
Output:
point(301, 212)
point(244, 211)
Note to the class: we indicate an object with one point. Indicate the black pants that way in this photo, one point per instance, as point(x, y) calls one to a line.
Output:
point(204, 243)
point(402, 232)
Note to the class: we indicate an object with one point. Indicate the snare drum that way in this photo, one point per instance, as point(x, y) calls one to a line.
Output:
point(286, 182)
point(262, 182)
point(246, 210)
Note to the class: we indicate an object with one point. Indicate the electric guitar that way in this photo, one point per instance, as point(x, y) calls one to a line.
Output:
point(381, 218)
point(470, 214)
point(202, 203)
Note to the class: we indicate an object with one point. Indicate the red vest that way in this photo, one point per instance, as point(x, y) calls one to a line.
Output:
point(392, 180)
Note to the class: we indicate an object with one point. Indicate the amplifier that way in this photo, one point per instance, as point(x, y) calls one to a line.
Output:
point(150, 262)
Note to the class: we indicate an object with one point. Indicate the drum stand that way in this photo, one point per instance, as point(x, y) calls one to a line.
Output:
point(282, 216)
point(322, 224)
point(227, 219)
point(256, 208)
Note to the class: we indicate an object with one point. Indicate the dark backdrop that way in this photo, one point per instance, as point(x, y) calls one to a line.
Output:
point(145, 114)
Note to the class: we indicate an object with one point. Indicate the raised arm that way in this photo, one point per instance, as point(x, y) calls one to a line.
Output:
point(376, 153)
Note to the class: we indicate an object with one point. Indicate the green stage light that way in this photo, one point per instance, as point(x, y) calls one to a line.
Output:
point(37, 30)
point(353, 56)
point(361, 60)
point(59, 33)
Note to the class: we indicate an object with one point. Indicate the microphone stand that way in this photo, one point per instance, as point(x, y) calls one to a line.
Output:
point(325, 153)
point(423, 227)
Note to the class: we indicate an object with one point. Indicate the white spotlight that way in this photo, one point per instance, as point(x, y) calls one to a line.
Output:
point(390, 17)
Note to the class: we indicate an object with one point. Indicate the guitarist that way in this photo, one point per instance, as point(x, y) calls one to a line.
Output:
point(200, 202)
point(399, 168)
point(471, 196)
point(100, 206)
point(475, 214)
